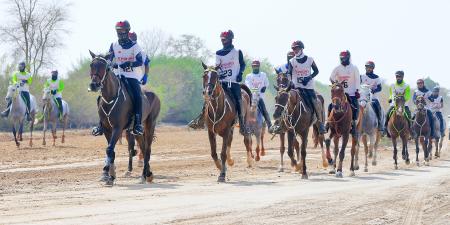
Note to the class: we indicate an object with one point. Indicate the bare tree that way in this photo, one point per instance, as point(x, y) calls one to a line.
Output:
point(153, 42)
point(35, 30)
point(188, 45)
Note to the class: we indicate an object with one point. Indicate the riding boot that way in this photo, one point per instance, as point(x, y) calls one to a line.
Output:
point(199, 121)
point(98, 130)
point(26, 96)
point(327, 125)
point(377, 108)
point(263, 109)
point(8, 108)
point(386, 121)
point(138, 129)
point(354, 129)
point(60, 108)
point(441, 123)
point(242, 126)
point(319, 115)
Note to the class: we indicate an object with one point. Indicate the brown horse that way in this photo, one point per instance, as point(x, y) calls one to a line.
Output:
point(398, 127)
point(296, 119)
point(339, 121)
point(115, 110)
point(220, 117)
point(422, 130)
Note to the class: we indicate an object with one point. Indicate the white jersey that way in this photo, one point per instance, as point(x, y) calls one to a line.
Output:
point(257, 81)
point(230, 66)
point(373, 83)
point(21, 77)
point(436, 104)
point(122, 55)
point(300, 71)
point(349, 75)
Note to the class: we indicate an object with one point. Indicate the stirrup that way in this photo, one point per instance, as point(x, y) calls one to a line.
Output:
point(97, 131)
point(138, 130)
point(195, 124)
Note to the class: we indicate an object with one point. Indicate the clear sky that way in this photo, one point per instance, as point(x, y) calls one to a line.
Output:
point(404, 35)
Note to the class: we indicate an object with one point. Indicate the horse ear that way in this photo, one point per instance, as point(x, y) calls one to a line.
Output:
point(108, 55)
point(92, 54)
point(204, 65)
point(218, 66)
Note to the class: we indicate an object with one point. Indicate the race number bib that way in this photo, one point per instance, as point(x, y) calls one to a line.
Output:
point(225, 73)
point(345, 83)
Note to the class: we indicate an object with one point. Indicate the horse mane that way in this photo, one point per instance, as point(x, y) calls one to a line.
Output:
point(246, 89)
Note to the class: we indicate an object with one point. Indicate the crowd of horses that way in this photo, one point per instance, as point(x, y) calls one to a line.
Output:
point(292, 114)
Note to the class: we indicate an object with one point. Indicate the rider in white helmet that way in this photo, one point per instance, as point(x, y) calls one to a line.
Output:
point(437, 103)
point(374, 81)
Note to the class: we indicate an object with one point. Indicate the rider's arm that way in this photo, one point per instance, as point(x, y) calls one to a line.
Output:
point(333, 75)
point(315, 69)
point(357, 78)
point(377, 89)
point(289, 71)
point(138, 61)
point(241, 62)
point(61, 86)
point(147, 64)
point(441, 104)
point(407, 93)
point(14, 78)
point(30, 80)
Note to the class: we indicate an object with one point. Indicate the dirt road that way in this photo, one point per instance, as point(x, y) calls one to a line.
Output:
point(59, 185)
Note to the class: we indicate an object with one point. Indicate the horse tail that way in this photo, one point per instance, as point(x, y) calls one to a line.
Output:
point(246, 89)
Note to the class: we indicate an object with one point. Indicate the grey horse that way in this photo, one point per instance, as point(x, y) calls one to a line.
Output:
point(51, 115)
point(18, 111)
point(367, 128)
point(438, 138)
point(255, 125)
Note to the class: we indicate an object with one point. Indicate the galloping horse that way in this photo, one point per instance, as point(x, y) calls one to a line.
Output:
point(422, 129)
point(255, 124)
point(17, 113)
point(340, 120)
point(115, 110)
point(367, 128)
point(220, 117)
point(398, 127)
point(51, 115)
point(297, 119)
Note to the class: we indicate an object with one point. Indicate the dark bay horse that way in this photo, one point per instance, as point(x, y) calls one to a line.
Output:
point(422, 130)
point(115, 112)
point(220, 117)
point(398, 127)
point(339, 121)
point(296, 118)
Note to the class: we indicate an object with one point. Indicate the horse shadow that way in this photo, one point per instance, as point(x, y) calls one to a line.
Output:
point(243, 183)
point(154, 185)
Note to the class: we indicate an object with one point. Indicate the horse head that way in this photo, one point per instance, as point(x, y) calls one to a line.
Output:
point(365, 96)
point(282, 81)
point(338, 97)
point(13, 91)
point(399, 100)
point(211, 84)
point(420, 103)
point(46, 96)
point(99, 68)
point(255, 98)
point(281, 101)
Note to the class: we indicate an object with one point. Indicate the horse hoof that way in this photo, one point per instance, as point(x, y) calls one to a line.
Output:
point(140, 163)
point(257, 158)
point(149, 179)
point(374, 163)
point(417, 163)
point(104, 177)
point(332, 171)
point(110, 182)
point(339, 174)
point(263, 153)
point(305, 176)
point(280, 169)
point(142, 180)
point(324, 164)
point(396, 167)
point(298, 168)
point(43, 143)
point(366, 170)
point(127, 174)
point(230, 162)
point(370, 155)
point(221, 179)
point(357, 167)
point(352, 173)
point(407, 162)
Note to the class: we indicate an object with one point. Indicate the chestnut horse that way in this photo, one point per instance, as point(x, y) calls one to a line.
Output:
point(398, 127)
point(422, 130)
point(339, 121)
point(115, 110)
point(220, 118)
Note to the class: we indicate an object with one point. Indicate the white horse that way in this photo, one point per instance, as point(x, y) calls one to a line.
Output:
point(367, 127)
point(51, 115)
point(18, 110)
point(255, 124)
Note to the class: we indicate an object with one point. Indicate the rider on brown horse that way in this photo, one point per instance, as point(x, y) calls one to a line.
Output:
point(231, 66)
point(425, 93)
point(348, 74)
point(399, 87)
point(127, 56)
point(374, 82)
point(299, 71)
point(258, 80)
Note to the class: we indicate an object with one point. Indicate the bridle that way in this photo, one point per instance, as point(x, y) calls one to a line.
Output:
point(286, 116)
point(421, 111)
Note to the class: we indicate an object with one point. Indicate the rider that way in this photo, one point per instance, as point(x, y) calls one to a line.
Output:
point(24, 79)
point(56, 86)
point(374, 81)
point(133, 38)
point(424, 92)
point(399, 87)
point(437, 103)
point(300, 73)
point(128, 56)
point(258, 80)
point(348, 73)
point(231, 61)
point(285, 67)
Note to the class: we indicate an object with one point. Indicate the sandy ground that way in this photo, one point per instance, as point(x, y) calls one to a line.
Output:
point(59, 185)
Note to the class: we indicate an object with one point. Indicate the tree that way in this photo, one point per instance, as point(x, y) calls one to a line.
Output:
point(188, 46)
point(153, 42)
point(35, 30)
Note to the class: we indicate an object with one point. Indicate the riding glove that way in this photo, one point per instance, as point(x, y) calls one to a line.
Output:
point(53, 92)
point(144, 79)
point(239, 77)
point(306, 80)
point(263, 89)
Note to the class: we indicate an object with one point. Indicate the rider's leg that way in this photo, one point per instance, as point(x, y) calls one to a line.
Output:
point(135, 92)
point(408, 115)
point(26, 96)
point(377, 108)
point(386, 121)
point(199, 121)
point(327, 125)
point(441, 123)
point(236, 93)
point(6, 112)
point(431, 119)
point(262, 108)
point(316, 105)
point(355, 109)
point(60, 107)
point(98, 130)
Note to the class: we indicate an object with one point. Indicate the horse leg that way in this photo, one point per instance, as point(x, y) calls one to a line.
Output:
point(223, 156)
point(375, 148)
point(405, 148)
point(20, 131)
point(426, 155)
point(248, 147)
point(352, 155)
point(111, 155)
point(213, 144)
point(291, 138)
point(15, 135)
point(131, 152)
point(371, 149)
point(146, 148)
point(105, 173)
point(64, 129)
point(257, 138)
point(282, 149)
point(230, 160)
point(394, 143)
point(416, 141)
point(263, 150)
point(31, 130)
point(335, 152)
point(303, 151)
point(297, 148)
point(323, 152)
point(328, 154)
point(436, 153)
point(44, 130)
point(54, 133)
